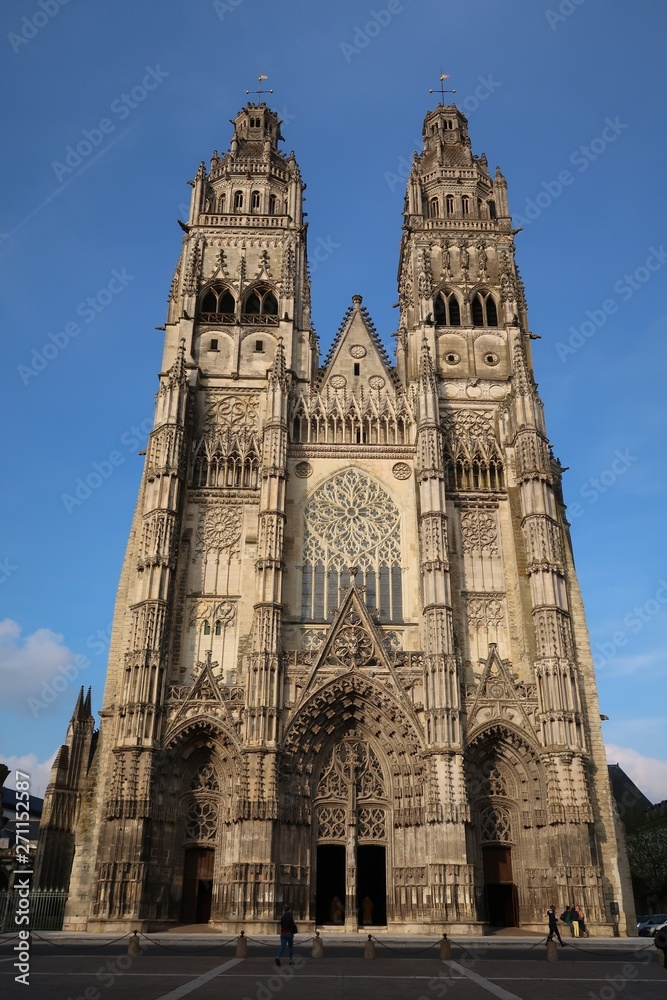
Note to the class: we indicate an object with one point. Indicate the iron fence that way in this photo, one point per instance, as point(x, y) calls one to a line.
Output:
point(46, 909)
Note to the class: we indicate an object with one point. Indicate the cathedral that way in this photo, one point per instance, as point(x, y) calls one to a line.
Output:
point(349, 669)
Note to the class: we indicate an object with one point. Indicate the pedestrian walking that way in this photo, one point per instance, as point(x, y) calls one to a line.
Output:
point(553, 925)
point(287, 931)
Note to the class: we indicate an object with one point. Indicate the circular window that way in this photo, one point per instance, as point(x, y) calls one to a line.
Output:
point(401, 470)
point(338, 381)
point(358, 351)
point(452, 358)
point(491, 358)
point(376, 381)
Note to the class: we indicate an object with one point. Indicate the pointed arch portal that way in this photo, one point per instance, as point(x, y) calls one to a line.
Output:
point(353, 769)
point(352, 820)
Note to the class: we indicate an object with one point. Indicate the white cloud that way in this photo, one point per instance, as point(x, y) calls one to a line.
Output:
point(648, 773)
point(30, 664)
point(39, 771)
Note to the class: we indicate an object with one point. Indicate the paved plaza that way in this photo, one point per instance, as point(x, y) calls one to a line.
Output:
point(169, 968)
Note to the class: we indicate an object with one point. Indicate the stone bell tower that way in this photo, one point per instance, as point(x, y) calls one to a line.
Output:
point(201, 585)
point(493, 530)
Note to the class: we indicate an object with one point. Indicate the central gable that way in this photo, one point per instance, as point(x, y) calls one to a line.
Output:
point(357, 361)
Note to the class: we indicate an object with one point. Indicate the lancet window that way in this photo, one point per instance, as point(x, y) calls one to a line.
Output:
point(260, 306)
point(484, 310)
point(337, 418)
point(351, 522)
point(228, 459)
point(472, 457)
point(217, 305)
point(446, 309)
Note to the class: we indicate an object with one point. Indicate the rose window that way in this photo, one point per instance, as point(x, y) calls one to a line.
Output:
point(201, 821)
point(351, 522)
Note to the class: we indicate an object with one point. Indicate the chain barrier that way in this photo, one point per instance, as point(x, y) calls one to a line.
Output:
point(71, 944)
point(200, 950)
point(607, 951)
point(404, 951)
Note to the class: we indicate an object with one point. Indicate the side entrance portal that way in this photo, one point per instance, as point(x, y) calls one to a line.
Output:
point(500, 891)
point(197, 885)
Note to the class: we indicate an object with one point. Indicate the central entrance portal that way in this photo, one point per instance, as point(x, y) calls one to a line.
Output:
point(372, 884)
point(330, 890)
point(351, 837)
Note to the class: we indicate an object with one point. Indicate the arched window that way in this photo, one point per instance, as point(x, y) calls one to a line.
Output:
point(484, 310)
point(217, 305)
point(446, 309)
point(238, 201)
point(492, 209)
point(273, 202)
point(222, 204)
point(449, 204)
point(255, 200)
point(465, 205)
point(351, 521)
point(260, 306)
point(434, 208)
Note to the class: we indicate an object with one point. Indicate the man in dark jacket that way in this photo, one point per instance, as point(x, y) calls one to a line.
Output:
point(553, 925)
point(287, 931)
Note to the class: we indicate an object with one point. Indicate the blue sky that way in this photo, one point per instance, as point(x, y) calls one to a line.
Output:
point(566, 97)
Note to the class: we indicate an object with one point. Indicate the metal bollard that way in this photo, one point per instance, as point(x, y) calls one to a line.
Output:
point(242, 946)
point(445, 948)
point(552, 951)
point(134, 945)
point(318, 946)
point(369, 948)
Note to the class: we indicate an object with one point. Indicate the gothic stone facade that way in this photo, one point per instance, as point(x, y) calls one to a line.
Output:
point(349, 655)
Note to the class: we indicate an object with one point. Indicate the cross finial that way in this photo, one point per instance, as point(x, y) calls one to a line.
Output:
point(441, 89)
point(260, 91)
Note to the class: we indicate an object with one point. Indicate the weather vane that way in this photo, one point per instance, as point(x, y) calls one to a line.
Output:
point(260, 91)
point(441, 89)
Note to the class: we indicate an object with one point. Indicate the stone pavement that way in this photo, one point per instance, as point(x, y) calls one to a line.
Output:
point(88, 967)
